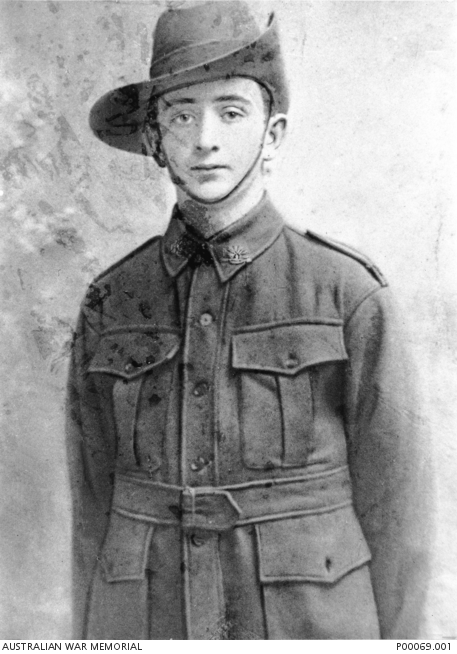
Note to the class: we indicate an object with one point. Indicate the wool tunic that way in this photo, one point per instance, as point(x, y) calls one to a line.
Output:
point(244, 446)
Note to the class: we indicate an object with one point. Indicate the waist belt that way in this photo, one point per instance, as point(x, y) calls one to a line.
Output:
point(225, 507)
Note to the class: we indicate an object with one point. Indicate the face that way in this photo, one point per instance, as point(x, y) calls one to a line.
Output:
point(213, 135)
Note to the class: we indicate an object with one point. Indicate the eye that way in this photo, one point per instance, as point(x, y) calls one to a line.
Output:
point(232, 115)
point(182, 119)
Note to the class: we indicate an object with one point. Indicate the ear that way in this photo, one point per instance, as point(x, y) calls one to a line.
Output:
point(274, 136)
point(151, 144)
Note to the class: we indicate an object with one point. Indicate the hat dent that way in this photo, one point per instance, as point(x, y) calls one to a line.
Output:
point(196, 23)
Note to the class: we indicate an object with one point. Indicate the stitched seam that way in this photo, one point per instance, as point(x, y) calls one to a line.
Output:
point(285, 371)
point(216, 377)
point(365, 297)
point(143, 517)
point(251, 484)
point(185, 380)
point(286, 323)
point(140, 328)
point(135, 421)
point(283, 422)
point(259, 577)
point(89, 324)
point(317, 578)
point(142, 371)
point(272, 517)
point(288, 480)
point(164, 462)
point(186, 583)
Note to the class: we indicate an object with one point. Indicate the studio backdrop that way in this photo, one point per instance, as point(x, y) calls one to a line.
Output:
point(368, 160)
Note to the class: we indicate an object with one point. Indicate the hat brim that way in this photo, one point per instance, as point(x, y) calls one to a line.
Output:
point(117, 118)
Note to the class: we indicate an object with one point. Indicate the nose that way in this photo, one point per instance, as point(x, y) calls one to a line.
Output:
point(207, 137)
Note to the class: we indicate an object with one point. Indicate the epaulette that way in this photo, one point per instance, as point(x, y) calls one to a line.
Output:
point(126, 258)
point(350, 252)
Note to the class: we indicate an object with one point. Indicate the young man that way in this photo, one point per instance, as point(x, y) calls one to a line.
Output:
point(242, 438)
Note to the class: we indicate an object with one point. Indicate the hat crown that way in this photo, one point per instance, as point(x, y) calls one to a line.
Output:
point(200, 23)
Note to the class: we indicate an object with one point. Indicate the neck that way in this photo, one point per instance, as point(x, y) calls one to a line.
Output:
point(208, 219)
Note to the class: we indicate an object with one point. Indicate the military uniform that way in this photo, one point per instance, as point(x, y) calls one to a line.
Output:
point(243, 443)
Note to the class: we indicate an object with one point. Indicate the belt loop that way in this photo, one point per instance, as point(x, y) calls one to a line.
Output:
point(188, 502)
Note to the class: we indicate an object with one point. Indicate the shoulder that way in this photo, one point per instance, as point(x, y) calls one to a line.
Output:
point(337, 255)
point(146, 252)
point(336, 278)
point(118, 291)
point(349, 251)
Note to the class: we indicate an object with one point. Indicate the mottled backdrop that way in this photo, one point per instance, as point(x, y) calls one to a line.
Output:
point(368, 160)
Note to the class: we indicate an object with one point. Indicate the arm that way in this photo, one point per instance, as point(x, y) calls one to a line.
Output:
point(90, 455)
point(389, 464)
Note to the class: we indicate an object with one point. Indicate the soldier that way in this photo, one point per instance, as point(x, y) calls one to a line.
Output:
point(243, 440)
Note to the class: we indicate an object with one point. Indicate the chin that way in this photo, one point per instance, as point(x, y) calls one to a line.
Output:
point(209, 195)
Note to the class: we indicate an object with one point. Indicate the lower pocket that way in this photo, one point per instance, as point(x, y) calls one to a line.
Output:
point(344, 610)
point(315, 579)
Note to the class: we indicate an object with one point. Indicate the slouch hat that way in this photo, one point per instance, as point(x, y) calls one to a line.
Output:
point(193, 43)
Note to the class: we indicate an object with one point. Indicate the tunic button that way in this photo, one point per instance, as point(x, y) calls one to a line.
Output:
point(292, 361)
point(128, 367)
point(206, 319)
point(201, 389)
point(197, 541)
point(199, 464)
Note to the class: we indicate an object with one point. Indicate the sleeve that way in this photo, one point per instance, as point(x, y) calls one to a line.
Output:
point(389, 459)
point(90, 458)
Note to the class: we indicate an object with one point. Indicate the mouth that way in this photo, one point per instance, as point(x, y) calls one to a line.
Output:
point(208, 167)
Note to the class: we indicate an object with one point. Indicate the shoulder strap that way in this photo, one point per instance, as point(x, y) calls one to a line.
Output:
point(350, 252)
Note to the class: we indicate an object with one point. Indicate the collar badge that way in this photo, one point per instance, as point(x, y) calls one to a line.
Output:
point(235, 255)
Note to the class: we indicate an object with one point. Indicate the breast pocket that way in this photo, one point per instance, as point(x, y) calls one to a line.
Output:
point(134, 372)
point(274, 364)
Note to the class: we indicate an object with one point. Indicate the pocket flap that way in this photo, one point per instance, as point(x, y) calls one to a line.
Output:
point(125, 550)
point(130, 353)
point(320, 548)
point(287, 349)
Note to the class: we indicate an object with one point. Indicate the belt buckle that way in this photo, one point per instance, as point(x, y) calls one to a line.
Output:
point(208, 509)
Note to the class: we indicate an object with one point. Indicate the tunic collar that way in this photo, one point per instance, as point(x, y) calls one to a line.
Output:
point(229, 250)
